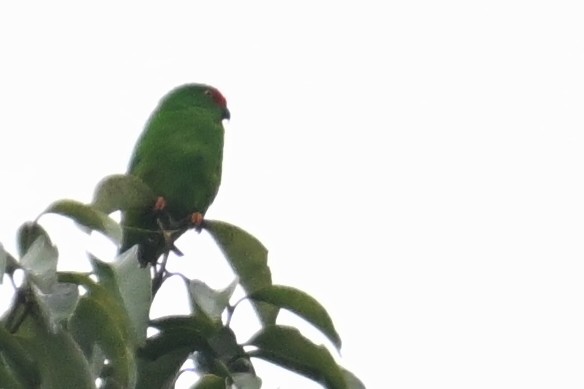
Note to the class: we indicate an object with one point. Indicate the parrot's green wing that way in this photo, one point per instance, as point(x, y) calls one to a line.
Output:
point(179, 156)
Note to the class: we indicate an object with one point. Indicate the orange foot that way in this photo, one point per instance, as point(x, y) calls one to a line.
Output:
point(160, 204)
point(197, 219)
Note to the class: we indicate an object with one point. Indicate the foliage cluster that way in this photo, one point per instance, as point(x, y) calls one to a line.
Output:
point(86, 330)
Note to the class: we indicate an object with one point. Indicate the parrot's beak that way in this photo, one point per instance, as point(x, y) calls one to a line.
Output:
point(226, 114)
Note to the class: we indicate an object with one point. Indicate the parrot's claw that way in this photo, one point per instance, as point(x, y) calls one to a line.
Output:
point(160, 204)
point(197, 220)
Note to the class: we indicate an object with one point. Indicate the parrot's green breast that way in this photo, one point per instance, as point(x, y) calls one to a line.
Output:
point(179, 157)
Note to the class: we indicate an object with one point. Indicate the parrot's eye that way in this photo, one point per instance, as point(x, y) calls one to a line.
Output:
point(208, 92)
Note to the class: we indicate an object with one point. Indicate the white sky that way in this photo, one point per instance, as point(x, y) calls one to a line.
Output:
point(415, 166)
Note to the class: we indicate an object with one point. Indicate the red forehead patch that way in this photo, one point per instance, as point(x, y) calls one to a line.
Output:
point(218, 98)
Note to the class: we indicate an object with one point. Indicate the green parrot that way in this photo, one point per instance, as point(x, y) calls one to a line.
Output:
point(179, 156)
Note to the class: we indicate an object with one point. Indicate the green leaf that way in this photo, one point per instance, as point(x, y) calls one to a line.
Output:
point(108, 280)
point(161, 358)
point(27, 234)
point(107, 301)
point(177, 332)
point(216, 348)
point(58, 305)
point(211, 302)
point(87, 216)
point(93, 327)
point(40, 263)
point(60, 360)
point(20, 366)
point(7, 378)
point(246, 381)
point(303, 305)
point(249, 259)
point(135, 287)
point(161, 372)
point(240, 381)
point(122, 192)
point(10, 264)
point(3, 262)
point(352, 381)
point(210, 381)
point(285, 346)
point(178, 323)
point(226, 356)
point(100, 320)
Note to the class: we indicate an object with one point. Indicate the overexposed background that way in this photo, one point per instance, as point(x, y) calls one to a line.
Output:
point(415, 166)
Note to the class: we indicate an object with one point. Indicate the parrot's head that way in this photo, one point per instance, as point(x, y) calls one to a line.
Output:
point(197, 95)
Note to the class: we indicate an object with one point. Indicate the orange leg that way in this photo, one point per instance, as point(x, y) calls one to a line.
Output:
point(197, 219)
point(160, 204)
